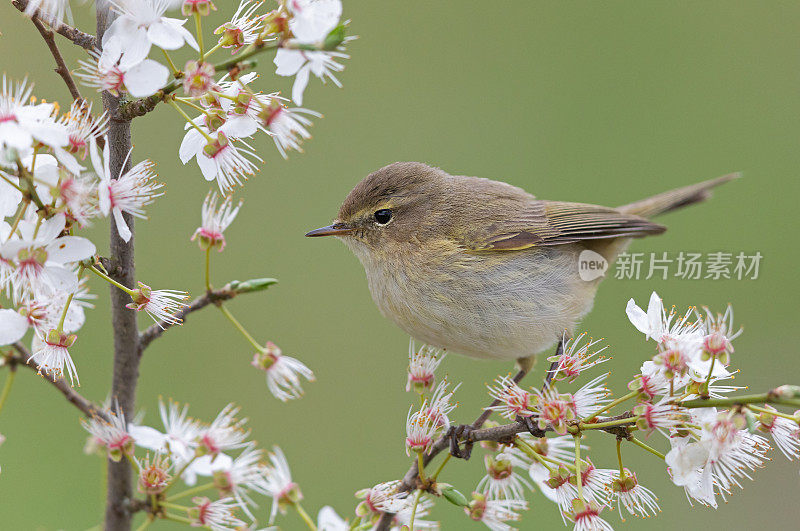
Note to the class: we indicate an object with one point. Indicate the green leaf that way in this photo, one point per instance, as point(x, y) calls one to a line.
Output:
point(254, 284)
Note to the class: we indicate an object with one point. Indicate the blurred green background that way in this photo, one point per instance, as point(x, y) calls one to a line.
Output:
point(602, 102)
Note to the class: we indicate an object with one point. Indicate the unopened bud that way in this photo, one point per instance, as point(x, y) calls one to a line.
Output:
point(451, 494)
point(252, 285)
point(787, 391)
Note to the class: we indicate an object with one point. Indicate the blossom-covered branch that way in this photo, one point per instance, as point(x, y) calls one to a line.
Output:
point(234, 67)
point(62, 171)
point(715, 440)
point(78, 37)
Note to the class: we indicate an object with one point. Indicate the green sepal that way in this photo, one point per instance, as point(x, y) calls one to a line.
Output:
point(752, 421)
point(334, 38)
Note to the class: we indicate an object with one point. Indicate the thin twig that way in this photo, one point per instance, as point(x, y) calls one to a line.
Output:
point(61, 67)
point(770, 397)
point(89, 408)
point(211, 297)
point(78, 37)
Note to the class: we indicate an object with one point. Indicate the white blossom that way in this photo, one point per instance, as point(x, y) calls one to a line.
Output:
point(141, 24)
point(42, 257)
point(22, 123)
point(129, 193)
point(112, 434)
point(242, 28)
point(51, 355)
point(656, 324)
point(226, 432)
point(161, 305)
point(105, 73)
point(278, 482)
point(215, 218)
point(283, 372)
point(219, 158)
point(311, 22)
point(501, 481)
point(216, 515)
point(636, 499)
point(422, 365)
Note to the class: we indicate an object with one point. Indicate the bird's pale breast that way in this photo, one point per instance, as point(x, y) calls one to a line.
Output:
point(484, 305)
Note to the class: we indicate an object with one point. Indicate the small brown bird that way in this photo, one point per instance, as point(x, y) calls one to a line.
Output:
point(480, 267)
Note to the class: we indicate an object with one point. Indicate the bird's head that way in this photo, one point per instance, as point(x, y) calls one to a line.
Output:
point(392, 207)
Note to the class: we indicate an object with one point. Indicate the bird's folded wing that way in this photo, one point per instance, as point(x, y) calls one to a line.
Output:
point(545, 223)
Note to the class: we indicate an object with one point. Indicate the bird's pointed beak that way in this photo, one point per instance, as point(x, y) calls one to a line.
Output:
point(337, 229)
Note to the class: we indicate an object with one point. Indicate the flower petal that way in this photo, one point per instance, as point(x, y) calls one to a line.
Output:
point(300, 83)
point(147, 437)
point(165, 36)
point(61, 278)
point(288, 62)
point(51, 228)
point(191, 145)
point(637, 317)
point(12, 326)
point(146, 78)
point(207, 165)
point(240, 126)
point(70, 249)
point(122, 227)
point(186, 34)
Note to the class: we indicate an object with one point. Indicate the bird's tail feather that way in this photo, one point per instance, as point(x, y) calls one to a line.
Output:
point(675, 199)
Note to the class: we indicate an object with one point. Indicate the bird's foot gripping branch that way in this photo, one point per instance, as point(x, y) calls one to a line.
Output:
point(679, 409)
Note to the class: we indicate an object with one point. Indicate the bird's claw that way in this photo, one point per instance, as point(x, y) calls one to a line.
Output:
point(531, 425)
point(455, 433)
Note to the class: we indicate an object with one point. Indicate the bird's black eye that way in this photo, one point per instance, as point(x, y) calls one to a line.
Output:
point(383, 216)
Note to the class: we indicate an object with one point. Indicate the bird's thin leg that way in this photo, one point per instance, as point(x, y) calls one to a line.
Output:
point(455, 433)
point(529, 422)
point(548, 377)
point(486, 412)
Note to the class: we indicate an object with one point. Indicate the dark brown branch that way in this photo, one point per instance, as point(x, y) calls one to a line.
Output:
point(133, 109)
point(61, 68)
point(503, 434)
point(212, 297)
point(119, 485)
point(79, 38)
point(89, 408)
